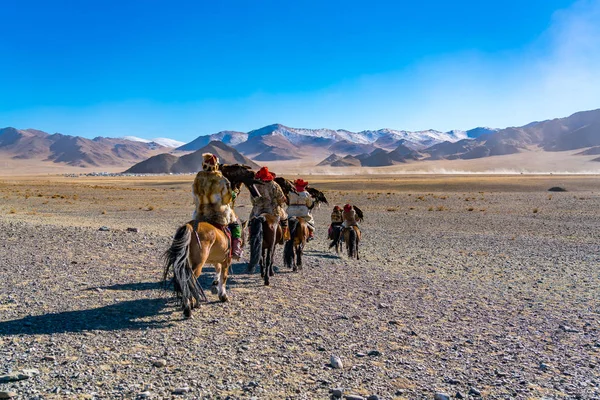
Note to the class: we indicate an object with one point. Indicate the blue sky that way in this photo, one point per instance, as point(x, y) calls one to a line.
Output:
point(182, 69)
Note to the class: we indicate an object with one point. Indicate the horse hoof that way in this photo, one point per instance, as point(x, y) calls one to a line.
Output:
point(224, 298)
point(266, 283)
point(271, 273)
point(187, 313)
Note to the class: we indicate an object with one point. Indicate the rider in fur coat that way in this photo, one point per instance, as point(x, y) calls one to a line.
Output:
point(271, 199)
point(213, 198)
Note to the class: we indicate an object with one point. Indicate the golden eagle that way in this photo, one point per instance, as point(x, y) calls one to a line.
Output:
point(238, 174)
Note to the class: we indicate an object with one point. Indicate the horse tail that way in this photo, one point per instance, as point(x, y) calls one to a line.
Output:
point(177, 258)
point(256, 239)
point(352, 242)
point(288, 248)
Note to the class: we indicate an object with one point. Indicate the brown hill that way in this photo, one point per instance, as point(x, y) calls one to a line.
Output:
point(347, 147)
point(348, 161)
point(168, 163)
point(73, 150)
point(329, 160)
point(269, 148)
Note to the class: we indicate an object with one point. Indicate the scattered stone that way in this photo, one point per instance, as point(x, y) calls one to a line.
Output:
point(181, 390)
point(336, 362)
point(393, 322)
point(31, 372)
point(159, 363)
point(49, 358)
point(500, 374)
point(373, 397)
point(545, 367)
point(453, 381)
point(383, 305)
point(321, 348)
point(353, 397)
point(441, 396)
point(133, 230)
point(374, 353)
point(360, 355)
point(15, 376)
point(557, 189)
point(459, 395)
point(104, 229)
point(337, 393)
point(568, 329)
point(474, 392)
point(144, 395)
point(7, 395)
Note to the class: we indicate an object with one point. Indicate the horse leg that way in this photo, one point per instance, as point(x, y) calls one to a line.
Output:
point(271, 268)
point(268, 267)
point(215, 283)
point(262, 263)
point(299, 251)
point(222, 277)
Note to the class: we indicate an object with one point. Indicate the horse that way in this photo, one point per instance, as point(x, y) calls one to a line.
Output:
point(265, 234)
point(194, 245)
point(352, 238)
point(295, 245)
point(336, 238)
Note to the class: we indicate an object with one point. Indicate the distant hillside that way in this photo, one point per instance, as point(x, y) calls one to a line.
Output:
point(73, 150)
point(189, 163)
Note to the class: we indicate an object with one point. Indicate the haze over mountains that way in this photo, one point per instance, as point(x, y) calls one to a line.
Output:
point(336, 148)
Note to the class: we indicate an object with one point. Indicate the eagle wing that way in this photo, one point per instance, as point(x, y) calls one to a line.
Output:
point(317, 195)
point(285, 185)
point(359, 214)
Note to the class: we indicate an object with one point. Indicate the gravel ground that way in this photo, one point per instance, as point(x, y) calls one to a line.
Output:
point(472, 294)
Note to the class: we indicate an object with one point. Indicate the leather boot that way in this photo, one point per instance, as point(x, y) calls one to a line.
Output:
point(236, 245)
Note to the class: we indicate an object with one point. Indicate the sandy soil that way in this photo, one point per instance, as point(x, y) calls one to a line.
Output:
point(473, 286)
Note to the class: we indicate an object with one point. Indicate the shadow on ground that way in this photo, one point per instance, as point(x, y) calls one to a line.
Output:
point(127, 315)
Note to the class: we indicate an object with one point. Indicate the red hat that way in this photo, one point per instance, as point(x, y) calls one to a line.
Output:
point(264, 175)
point(300, 184)
point(347, 207)
point(336, 208)
point(209, 162)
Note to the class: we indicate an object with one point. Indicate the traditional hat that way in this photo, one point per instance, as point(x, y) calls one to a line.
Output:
point(264, 175)
point(210, 162)
point(300, 184)
point(347, 207)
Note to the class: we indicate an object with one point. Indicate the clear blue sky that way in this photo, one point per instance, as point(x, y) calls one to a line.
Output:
point(182, 69)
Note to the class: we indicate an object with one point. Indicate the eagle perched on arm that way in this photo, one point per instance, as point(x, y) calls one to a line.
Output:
point(238, 175)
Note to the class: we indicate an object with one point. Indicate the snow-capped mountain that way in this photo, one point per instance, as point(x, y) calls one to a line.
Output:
point(421, 139)
point(166, 142)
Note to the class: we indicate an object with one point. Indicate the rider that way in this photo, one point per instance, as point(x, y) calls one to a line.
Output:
point(213, 197)
point(336, 219)
point(349, 216)
point(300, 204)
point(270, 199)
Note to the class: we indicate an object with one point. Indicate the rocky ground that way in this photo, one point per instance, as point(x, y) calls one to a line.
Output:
point(470, 289)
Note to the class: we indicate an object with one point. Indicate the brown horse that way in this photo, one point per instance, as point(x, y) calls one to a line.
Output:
point(352, 238)
point(265, 234)
point(190, 251)
point(295, 246)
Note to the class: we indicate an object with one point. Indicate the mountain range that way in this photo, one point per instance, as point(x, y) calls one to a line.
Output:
point(340, 147)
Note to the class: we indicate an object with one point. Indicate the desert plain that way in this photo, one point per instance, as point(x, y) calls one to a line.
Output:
point(470, 286)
